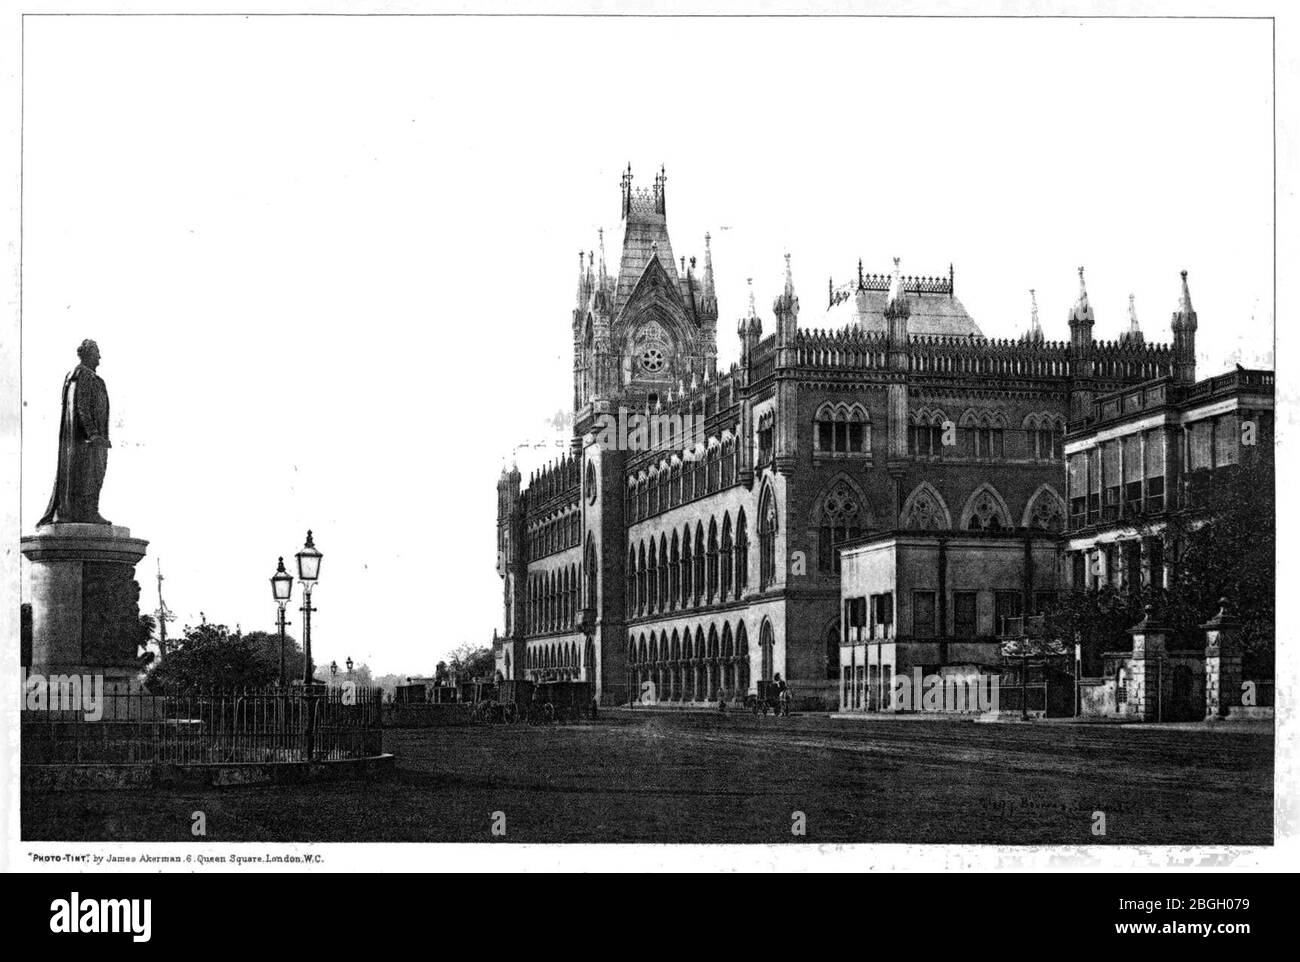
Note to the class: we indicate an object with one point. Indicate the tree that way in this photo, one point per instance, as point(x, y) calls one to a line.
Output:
point(1221, 544)
point(472, 661)
point(267, 645)
point(1097, 619)
point(210, 657)
point(1224, 547)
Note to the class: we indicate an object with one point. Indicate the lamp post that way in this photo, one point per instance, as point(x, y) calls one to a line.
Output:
point(349, 666)
point(334, 672)
point(308, 571)
point(281, 589)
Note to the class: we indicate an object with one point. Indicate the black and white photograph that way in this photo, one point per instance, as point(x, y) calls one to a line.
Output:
point(801, 436)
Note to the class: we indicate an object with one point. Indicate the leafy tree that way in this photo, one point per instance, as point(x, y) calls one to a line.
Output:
point(471, 661)
point(267, 644)
point(1097, 619)
point(1222, 545)
point(210, 657)
point(1225, 547)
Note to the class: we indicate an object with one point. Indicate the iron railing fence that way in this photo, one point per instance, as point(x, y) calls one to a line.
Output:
point(139, 727)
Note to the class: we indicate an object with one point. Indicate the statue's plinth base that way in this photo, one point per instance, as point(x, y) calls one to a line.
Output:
point(85, 601)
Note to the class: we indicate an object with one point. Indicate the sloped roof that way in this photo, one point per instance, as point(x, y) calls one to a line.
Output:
point(644, 236)
point(932, 313)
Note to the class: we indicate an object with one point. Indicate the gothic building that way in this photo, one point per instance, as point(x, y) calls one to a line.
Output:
point(703, 561)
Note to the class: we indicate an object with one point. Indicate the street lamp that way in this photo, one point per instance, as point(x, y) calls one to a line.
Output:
point(334, 672)
point(281, 589)
point(349, 664)
point(308, 571)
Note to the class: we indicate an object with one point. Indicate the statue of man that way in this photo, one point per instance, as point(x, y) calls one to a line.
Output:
point(83, 444)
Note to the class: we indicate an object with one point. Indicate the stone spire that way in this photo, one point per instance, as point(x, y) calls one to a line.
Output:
point(1185, 310)
point(1082, 310)
point(709, 299)
point(753, 308)
point(1134, 333)
point(1035, 328)
point(600, 233)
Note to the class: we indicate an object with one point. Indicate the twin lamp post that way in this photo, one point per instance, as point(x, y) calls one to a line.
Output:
point(282, 588)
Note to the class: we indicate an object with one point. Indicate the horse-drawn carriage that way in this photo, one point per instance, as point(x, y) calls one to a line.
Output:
point(772, 696)
point(536, 702)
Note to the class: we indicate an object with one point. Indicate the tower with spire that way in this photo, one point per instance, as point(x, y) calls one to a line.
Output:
point(1081, 321)
point(1184, 329)
point(786, 309)
point(653, 325)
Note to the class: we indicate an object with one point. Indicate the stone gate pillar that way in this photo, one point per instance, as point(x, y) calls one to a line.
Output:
point(1147, 666)
point(1222, 663)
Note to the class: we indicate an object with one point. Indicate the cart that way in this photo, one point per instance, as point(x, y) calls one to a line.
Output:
point(562, 701)
point(768, 698)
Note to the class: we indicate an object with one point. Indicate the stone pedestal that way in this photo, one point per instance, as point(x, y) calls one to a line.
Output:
point(85, 600)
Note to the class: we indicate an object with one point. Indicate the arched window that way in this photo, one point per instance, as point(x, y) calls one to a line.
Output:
point(715, 465)
point(1046, 510)
point(675, 484)
point(742, 554)
point(675, 574)
point(840, 517)
point(842, 429)
point(985, 511)
point(640, 580)
point(728, 462)
point(631, 576)
point(1044, 436)
point(981, 434)
point(766, 423)
point(699, 561)
point(924, 510)
point(687, 568)
point(591, 483)
point(725, 548)
point(652, 579)
point(767, 651)
point(742, 659)
point(652, 487)
point(767, 540)
point(925, 434)
point(713, 560)
point(663, 573)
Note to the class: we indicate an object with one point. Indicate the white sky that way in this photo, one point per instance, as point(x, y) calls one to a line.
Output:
point(331, 262)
